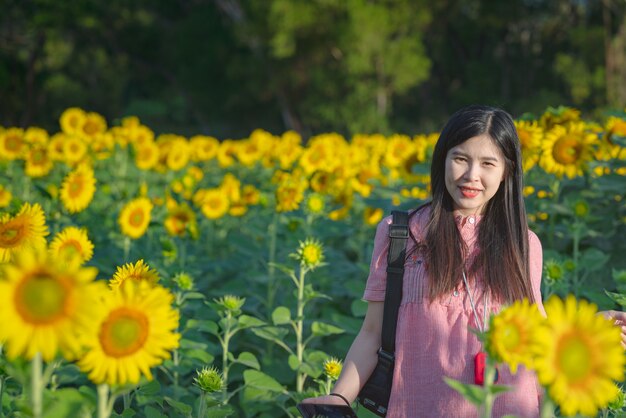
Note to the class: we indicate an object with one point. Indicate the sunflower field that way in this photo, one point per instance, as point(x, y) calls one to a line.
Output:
point(146, 275)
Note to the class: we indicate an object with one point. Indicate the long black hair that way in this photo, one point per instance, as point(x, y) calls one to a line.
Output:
point(503, 229)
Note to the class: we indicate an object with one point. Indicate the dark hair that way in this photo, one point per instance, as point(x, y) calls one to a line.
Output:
point(503, 230)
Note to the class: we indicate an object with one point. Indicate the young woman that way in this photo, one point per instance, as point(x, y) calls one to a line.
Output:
point(469, 253)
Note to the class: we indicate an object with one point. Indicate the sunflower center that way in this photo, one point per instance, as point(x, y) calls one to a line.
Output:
point(311, 254)
point(72, 247)
point(510, 336)
point(567, 150)
point(136, 217)
point(75, 187)
point(124, 332)
point(11, 233)
point(574, 358)
point(13, 143)
point(41, 299)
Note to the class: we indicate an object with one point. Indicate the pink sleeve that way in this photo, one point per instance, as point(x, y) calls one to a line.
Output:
point(535, 261)
point(377, 279)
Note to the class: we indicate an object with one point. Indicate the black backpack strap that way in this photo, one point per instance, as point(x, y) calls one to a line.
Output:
point(398, 234)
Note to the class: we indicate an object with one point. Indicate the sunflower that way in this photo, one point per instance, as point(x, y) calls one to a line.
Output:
point(510, 338)
point(213, 202)
point(315, 204)
point(203, 148)
point(45, 305)
point(5, 196)
point(310, 253)
point(74, 150)
point(26, 229)
point(558, 116)
point(530, 136)
point(372, 216)
point(288, 149)
point(178, 155)
point(578, 356)
point(93, 126)
point(36, 136)
point(78, 189)
point(290, 192)
point(567, 150)
point(72, 120)
point(12, 144)
point(399, 149)
point(146, 155)
point(135, 217)
point(135, 332)
point(137, 272)
point(226, 152)
point(72, 242)
point(38, 163)
point(180, 219)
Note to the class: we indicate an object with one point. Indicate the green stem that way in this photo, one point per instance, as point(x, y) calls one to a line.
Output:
point(36, 385)
point(176, 361)
point(547, 407)
point(576, 255)
point(126, 248)
point(490, 376)
point(126, 399)
point(202, 407)
point(225, 365)
point(299, 328)
point(271, 269)
point(103, 401)
point(2, 380)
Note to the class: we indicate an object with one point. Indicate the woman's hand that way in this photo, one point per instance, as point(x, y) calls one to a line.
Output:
point(619, 318)
point(326, 400)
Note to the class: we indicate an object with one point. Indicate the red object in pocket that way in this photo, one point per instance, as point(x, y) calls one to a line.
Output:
point(480, 363)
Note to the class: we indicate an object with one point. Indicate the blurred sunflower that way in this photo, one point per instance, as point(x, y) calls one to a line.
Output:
point(180, 219)
point(46, 305)
point(226, 153)
point(5, 196)
point(135, 332)
point(510, 338)
point(288, 149)
point(55, 146)
point(315, 204)
point(579, 355)
point(213, 202)
point(72, 242)
point(135, 217)
point(146, 155)
point(37, 162)
point(78, 189)
point(26, 229)
point(12, 144)
point(567, 150)
point(399, 149)
point(203, 148)
point(74, 150)
point(530, 136)
point(178, 155)
point(372, 216)
point(93, 125)
point(36, 136)
point(138, 272)
point(72, 120)
point(290, 192)
point(561, 115)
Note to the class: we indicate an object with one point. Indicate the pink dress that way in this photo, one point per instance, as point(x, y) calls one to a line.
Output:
point(434, 340)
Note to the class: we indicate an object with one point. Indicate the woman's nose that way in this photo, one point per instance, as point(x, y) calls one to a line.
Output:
point(472, 172)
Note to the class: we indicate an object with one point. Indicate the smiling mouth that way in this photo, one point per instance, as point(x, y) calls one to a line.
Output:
point(469, 192)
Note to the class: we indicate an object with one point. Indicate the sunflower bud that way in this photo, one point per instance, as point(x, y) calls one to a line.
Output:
point(184, 281)
point(209, 379)
point(230, 303)
point(332, 368)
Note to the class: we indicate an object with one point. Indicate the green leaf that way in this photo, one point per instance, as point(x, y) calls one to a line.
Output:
point(66, 403)
point(271, 333)
point(593, 259)
point(194, 295)
point(293, 362)
point(260, 380)
point(183, 408)
point(474, 394)
point(247, 321)
point(220, 412)
point(201, 355)
point(248, 359)
point(498, 389)
point(281, 316)
point(618, 298)
point(322, 329)
point(151, 388)
point(152, 412)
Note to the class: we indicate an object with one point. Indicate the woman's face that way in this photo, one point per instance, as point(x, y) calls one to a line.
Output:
point(474, 171)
